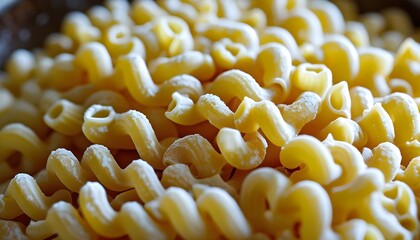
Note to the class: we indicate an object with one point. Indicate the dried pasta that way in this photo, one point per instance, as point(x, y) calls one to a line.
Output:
point(214, 119)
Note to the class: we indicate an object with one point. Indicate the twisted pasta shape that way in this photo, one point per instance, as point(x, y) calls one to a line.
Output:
point(21, 150)
point(244, 85)
point(251, 115)
point(139, 83)
point(98, 164)
point(129, 130)
point(23, 195)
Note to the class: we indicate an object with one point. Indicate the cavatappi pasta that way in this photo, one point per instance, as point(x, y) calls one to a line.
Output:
point(214, 119)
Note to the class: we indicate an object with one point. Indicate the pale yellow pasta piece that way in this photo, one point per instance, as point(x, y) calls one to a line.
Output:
point(94, 58)
point(361, 101)
point(275, 10)
point(21, 150)
point(31, 92)
point(129, 130)
point(164, 128)
point(228, 9)
point(374, 23)
point(242, 153)
point(149, 39)
point(276, 64)
point(387, 158)
point(65, 117)
point(62, 219)
point(359, 190)
point(100, 17)
point(119, 41)
point(348, 158)
point(182, 9)
point(411, 175)
point(304, 25)
point(63, 73)
point(313, 159)
point(245, 86)
point(339, 47)
point(281, 35)
point(139, 83)
point(12, 230)
point(335, 104)
point(255, 18)
point(250, 116)
point(316, 78)
point(377, 126)
point(145, 11)
point(6, 100)
point(193, 63)
point(235, 31)
point(331, 19)
point(78, 27)
point(375, 65)
point(224, 211)
point(346, 130)
point(358, 229)
point(108, 98)
point(20, 67)
point(401, 85)
point(57, 43)
point(404, 114)
point(23, 196)
point(357, 34)
point(232, 55)
point(179, 175)
point(173, 35)
point(312, 211)
point(406, 63)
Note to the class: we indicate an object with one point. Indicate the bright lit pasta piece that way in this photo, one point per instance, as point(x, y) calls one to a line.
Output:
point(232, 55)
point(65, 117)
point(346, 130)
point(357, 34)
point(329, 15)
point(282, 36)
point(387, 158)
point(119, 41)
point(361, 101)
point(145, 11)
point(78, 27)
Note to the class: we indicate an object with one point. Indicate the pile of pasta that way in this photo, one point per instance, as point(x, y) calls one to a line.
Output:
point(214, 119)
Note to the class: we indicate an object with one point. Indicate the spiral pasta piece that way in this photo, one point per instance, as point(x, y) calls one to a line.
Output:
point(23, 195)
point(100, 123)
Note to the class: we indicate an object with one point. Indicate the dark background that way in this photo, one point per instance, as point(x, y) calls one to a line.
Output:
point(26, 23)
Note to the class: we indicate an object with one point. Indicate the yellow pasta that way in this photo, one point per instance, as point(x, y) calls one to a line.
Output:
point(214, 119)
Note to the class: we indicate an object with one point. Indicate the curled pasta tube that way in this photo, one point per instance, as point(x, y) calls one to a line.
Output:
point(314, 211)
point(65, 117)
point(339, 47)
point(20, 67)
point(23, 195)
point(387, 158)
point(313, 159)
point(224, 212)
point(139, 83)
point(244, 85)
point(179, 175)
point(118, 41)
point(232, 55)
point(357, 34)
point(145, 11)
point(179, 208)
point(375, 65)
point(335, 104)
point(404, 114)
point(78, 27)
point(361, 101)
point(316, 78)
point(173, 34)
point(377, 126)
point(346, 130)
point(235, 31)
point(276, 64)
point(242, 153)
point(329, 15)
point(129, 130)
point(304, 25)
point(103, 219)
point(94, 58)
point(348, 158)
point(250, 116)
point(358, 229)
point(183, 110)
point(21, 150)
point(98, 164)
point(194, 63)
point(259, 187)
point(64, 220)
point(282, 36)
